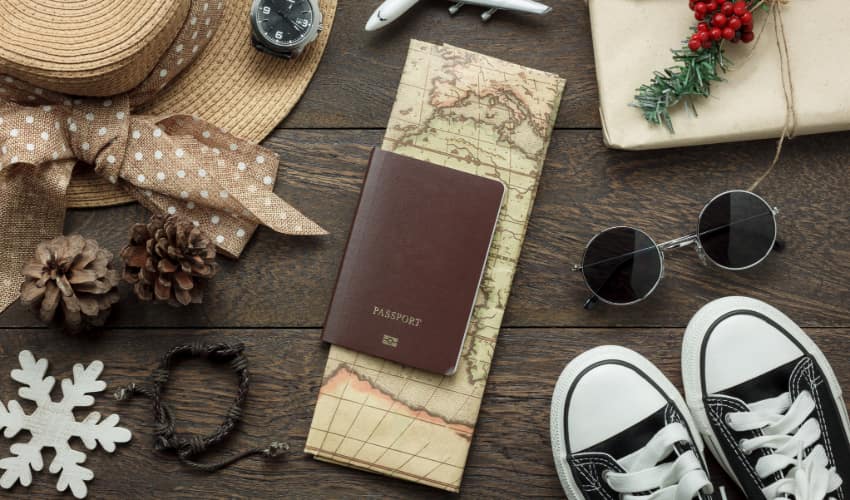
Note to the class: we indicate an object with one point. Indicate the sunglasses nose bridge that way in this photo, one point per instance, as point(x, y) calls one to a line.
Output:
point(679, 242)
point(690, 239)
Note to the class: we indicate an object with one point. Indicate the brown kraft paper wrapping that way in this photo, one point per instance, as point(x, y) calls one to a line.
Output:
point(633, 38)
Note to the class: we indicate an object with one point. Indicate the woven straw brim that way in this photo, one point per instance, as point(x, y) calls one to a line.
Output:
point(231, 85)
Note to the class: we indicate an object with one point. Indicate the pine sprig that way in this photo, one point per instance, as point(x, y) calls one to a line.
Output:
point(692, 76)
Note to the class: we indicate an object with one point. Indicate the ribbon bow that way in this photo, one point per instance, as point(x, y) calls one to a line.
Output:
point(171, 164)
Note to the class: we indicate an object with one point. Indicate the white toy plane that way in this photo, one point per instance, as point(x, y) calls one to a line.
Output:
point(391, 10)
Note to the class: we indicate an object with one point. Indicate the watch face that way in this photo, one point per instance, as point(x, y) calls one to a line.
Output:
point(283, 22)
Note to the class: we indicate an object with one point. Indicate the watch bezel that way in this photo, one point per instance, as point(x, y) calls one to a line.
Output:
point(308, 37)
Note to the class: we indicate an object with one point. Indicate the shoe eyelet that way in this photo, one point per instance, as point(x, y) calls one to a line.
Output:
point(741, 446)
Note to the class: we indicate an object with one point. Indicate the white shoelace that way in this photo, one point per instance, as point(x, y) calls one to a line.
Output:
point(788, 430)
point(681, 479)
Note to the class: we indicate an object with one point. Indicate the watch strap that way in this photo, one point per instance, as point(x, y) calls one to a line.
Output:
point(259, 45)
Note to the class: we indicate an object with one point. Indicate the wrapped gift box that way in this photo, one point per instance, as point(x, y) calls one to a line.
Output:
point(633, 38)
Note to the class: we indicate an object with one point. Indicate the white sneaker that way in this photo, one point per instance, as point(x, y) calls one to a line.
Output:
point(619, 429)
point(766, 401)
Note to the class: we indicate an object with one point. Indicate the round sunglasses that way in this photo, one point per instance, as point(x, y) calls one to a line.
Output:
point(622, 265)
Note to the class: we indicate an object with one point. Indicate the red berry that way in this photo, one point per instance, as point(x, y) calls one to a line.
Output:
point(748, 36)
point(728, 33)
point(747, 18)
point(701, 8)
point(704, 36)
point(702, 27)
point(727, 8)
point(699, 16)
point(706, 45)
point(735, 23)
point(719, 20)
point(694, 44)
point(716, 34)
point(712, 5)
point(739, 8)
point(747, 28)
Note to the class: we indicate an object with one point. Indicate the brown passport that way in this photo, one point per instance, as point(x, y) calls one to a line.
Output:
point(414, 260)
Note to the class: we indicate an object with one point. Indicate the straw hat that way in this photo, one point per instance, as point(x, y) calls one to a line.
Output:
point(107, 47)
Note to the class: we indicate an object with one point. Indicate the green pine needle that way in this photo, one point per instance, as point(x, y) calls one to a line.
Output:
point(692, 76)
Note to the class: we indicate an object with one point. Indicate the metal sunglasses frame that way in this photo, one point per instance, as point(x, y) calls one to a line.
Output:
point(683, 241)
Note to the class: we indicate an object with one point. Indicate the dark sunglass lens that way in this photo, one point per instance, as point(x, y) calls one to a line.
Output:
point(737, 229)
point(622, 265)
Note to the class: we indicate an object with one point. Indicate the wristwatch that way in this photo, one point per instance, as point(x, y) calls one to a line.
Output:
point(284, 27)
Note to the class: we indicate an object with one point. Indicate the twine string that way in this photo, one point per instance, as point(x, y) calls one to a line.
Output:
point(189, 446)
point(790, 125)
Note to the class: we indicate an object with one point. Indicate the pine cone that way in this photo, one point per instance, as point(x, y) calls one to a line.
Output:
point(74, 272)
point(169, 259)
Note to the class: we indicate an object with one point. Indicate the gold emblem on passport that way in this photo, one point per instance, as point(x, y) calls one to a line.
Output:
point(391, 341)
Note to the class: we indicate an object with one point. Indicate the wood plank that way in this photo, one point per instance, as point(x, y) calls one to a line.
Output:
point(510, 455)
point(282, 281)
point(356, 83)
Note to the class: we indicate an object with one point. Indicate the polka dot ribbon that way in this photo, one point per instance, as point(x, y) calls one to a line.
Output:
point(171, 164)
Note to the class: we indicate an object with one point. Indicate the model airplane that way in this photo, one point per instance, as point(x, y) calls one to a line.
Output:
point(391, 10)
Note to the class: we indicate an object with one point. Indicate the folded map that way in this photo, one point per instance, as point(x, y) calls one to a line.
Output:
point(481, 115)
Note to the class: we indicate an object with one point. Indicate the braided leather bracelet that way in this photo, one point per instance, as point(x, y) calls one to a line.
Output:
point(190, 446)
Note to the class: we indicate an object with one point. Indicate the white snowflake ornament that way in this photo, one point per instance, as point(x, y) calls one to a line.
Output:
point(52, 424)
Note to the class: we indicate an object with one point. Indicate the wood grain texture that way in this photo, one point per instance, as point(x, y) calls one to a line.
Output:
point(356, 83)
point(510, 455)
point(287, 282)
point(275, 297)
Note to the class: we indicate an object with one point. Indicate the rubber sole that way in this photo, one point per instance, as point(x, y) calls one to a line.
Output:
point(692, 351)
point(568, 378)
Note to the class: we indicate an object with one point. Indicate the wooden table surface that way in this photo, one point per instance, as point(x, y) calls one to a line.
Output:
point(274, 298)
